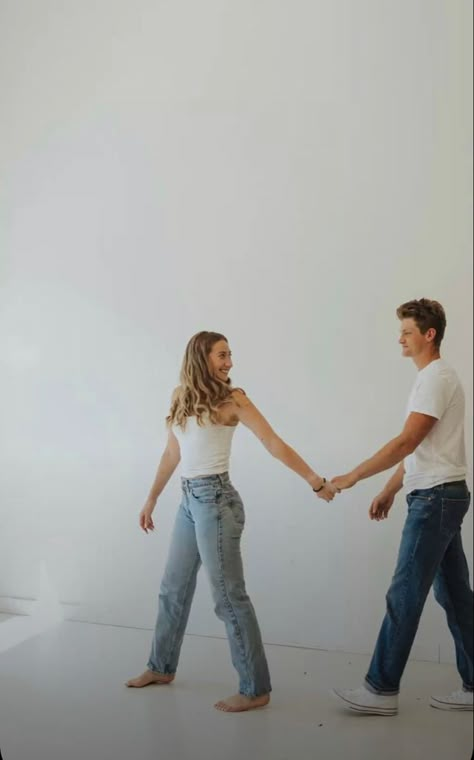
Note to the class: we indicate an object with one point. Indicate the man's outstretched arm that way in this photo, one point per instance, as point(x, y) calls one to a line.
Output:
point(416, 429)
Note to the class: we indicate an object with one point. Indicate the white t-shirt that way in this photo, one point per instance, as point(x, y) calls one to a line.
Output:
point(441, 456)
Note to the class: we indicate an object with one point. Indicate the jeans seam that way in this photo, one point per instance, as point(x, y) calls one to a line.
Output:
point(227, 601)
point(405, 588)
point(397, 627)
point(452, 609)
point(179, 624)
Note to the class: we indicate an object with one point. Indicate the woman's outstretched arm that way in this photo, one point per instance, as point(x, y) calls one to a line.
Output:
point(252, 418)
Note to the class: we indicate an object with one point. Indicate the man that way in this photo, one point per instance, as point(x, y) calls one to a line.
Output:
point(431, 451)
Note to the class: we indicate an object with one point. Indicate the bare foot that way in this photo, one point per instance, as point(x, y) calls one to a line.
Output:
point(149, 677)
point(239, 703)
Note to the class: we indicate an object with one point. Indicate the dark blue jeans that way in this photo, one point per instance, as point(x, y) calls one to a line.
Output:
point(431, 553)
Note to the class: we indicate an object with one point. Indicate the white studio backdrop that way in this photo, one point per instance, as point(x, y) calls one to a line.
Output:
point(284, 172)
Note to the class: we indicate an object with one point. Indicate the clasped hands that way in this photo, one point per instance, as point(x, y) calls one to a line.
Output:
point(380, 506)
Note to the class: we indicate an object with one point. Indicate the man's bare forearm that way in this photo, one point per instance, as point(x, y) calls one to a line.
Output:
point(395, 483)
point(391, 454)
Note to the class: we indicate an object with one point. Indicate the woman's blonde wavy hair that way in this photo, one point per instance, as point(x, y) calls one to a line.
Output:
point(199, 394)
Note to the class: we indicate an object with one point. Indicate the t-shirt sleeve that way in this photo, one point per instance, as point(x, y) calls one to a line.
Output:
point(432, 396)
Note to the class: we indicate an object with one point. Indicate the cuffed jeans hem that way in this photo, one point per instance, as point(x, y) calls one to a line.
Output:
point(254, 695)
point(165, 672)
point(379, 691)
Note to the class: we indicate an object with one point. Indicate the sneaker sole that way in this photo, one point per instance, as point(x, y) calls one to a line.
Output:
point(451, 708)
point(372, 710)
point(387, 711)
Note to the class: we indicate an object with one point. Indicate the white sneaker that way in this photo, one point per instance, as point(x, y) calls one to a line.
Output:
point(458, 700)
point(364, 701)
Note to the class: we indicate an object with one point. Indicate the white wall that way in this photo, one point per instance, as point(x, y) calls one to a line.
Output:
point(284, 171)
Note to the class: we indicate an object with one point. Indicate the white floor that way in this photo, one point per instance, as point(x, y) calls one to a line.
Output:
point(62, 698)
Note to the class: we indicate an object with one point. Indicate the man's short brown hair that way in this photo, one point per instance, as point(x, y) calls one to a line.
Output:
point(426, 314)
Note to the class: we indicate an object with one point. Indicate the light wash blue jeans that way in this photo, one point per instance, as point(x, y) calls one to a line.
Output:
point(208, 529)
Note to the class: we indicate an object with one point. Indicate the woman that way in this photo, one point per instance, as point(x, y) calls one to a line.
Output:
point(205, 411)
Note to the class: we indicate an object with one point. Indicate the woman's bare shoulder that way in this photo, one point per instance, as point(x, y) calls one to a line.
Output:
point(239, 397)
point(229, 409)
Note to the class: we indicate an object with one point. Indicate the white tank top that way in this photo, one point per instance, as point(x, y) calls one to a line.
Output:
point(205, 449)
